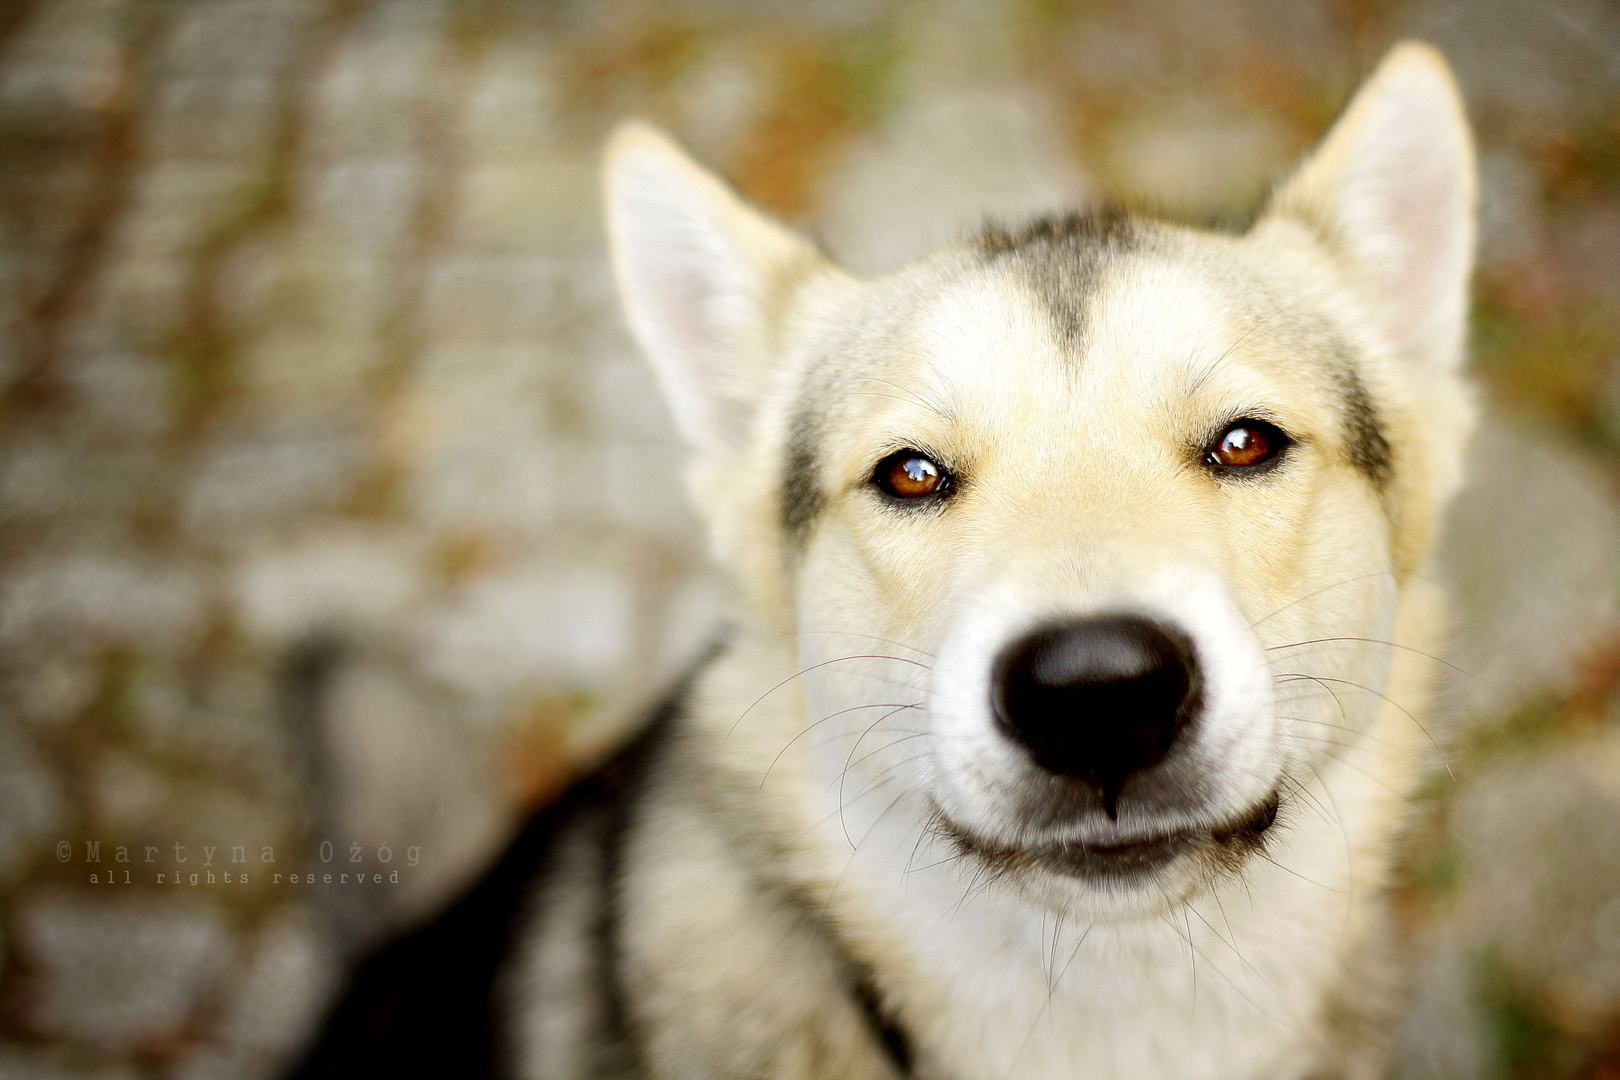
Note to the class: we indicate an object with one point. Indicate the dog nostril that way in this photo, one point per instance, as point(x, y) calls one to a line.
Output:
point(1098, 700)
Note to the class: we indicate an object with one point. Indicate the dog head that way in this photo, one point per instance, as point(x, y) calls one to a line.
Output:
point(1053, 505)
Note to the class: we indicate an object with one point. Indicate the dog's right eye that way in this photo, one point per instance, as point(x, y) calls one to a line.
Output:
point(911, 474)
point(1245, 446)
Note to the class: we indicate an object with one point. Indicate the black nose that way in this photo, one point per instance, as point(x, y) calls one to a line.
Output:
point(1098, 700)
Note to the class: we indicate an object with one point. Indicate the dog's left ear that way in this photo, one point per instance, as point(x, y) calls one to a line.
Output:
point(706, 279)
point(1391, 193)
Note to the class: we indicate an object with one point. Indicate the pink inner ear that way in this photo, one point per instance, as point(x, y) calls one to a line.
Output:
point(1391, 191)
point(1410, 235)
point(1404, 212)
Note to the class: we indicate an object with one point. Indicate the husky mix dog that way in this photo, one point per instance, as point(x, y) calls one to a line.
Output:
point(1066, 719)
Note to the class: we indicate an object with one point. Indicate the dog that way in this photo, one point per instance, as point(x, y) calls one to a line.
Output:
point(1071, 701)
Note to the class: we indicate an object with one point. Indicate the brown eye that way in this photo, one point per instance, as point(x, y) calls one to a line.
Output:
point(1246, 444)
point(910, 474)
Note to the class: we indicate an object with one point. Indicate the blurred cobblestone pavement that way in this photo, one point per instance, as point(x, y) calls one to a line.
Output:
point(306, 334)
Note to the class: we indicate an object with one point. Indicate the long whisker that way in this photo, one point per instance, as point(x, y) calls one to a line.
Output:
point(1323, 741)
point(1232, 944)
point(855, 850)
point(811, 727)
point(905, 736)
point(844, 772)
point(814, 667)
point(1296, 786)
point(1375, 641)
point(1051, 989)
point(1296, 873)
point(869, 637)
point(1364, 773)
point(1359, 735)
point(1187, 939)
point(1319, 592)
point(911, 395)
point(1292, 676)
point(888, 772)
point(1404, 710)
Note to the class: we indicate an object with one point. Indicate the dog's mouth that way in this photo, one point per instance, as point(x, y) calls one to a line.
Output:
point(1124, 862)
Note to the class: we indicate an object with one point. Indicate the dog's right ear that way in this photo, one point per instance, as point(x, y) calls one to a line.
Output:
point(1391, 192)
point(705, 278)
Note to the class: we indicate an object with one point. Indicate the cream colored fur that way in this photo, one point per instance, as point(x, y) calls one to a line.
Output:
point(850, 702)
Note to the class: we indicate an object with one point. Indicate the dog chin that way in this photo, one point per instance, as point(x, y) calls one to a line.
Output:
point(1123, 879)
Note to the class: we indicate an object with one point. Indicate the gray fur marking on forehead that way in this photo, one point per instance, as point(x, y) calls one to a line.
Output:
point(1063, 259)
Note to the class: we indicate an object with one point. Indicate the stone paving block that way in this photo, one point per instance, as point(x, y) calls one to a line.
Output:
point(548, 202)
point(228, 118)
point(217, 809)
point(222, 717)
point(1538, 841)
point(508, 378)
point(690, 618)
point(472, 480)
point(947, 159)
point(115, 975)
point(126, 792)
point(719, 98)
point(488, 300)
point(211, 1062)
point(67, 56)
point(379, 85)
point(140, 302)
point(234, 38)
point(32, 807)
point(592, 292)
point(248, 482)
point(1531, 559)
point(307, 292)
point(124, 393)
point(479, 394)
point(364, 204)
point(42, 479)
point(175, 205)
point(410, 766)
point(549, 623)
point(32, 1063)
point(137, 603)
point(329, 581)
point(51, 690)
point(512, 103)
point(633, 484)
point(1199, 158)
point(623, 400)
point(287, 981)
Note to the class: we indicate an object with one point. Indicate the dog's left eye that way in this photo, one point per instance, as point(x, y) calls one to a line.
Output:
point(1246, 444)
point(911, 474)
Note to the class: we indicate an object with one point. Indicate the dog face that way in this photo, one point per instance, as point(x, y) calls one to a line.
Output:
point(1092, 535)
